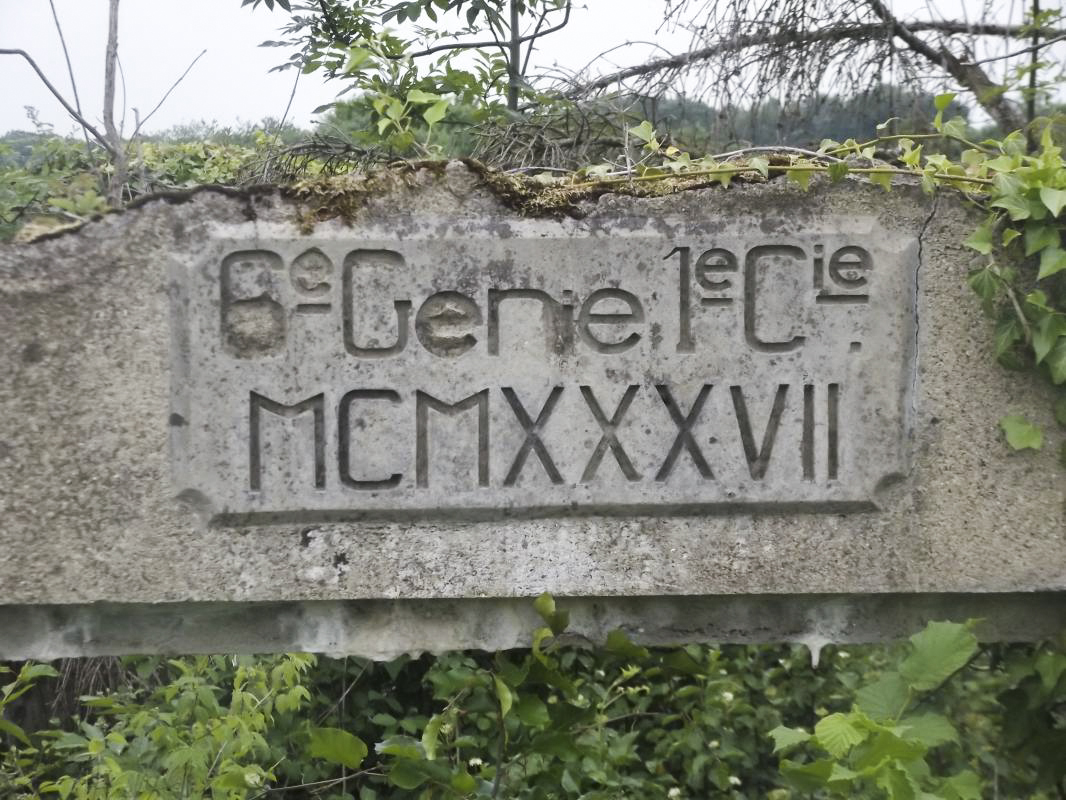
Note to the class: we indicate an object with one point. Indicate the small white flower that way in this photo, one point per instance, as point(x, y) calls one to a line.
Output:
point(713, 744)
point(734, 780)
point(727, 696)
point(843, 654)
point(475, 762)
point(674, 792)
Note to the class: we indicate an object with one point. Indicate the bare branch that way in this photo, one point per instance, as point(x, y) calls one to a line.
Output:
point(66, 55)
point(1030, 49)
point(118, 152)
point(798, 38)
point(100, 138)
point(473, 45)
point(165, 96)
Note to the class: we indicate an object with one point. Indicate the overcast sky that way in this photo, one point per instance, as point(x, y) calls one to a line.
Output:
point(158, 39)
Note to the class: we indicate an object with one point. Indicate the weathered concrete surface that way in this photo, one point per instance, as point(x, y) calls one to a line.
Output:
point(96, 510)
point(384, 629)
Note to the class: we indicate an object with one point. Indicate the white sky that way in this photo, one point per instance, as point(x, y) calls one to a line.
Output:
point(159, 38)
point(231, 82)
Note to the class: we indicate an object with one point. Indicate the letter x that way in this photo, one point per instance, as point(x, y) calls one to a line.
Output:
point(609, 438)
point(532, 440)
point(684, 433)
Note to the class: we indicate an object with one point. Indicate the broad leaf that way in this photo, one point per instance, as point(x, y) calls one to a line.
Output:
point(337, 747)
point(1015, 206)
point(981, 239)
point(1021, 433)
point(1054, 199)
point(1052, 260)
point(787, 738)
point(837, 735)
point(532, 711)
point(930, 729)
point(939, 651)
point(884, 699)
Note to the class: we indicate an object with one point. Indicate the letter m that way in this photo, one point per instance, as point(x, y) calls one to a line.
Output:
point(257, 403)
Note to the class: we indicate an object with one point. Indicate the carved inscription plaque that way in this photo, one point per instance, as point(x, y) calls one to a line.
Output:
point(458, 367)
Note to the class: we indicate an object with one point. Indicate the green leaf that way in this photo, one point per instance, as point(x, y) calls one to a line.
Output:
point(1021, 434)
point(1008, 333)
point(800, 177)
point(406, 774)
point(32, 671)
point(503, 694)
point(939, 651)
point(884, 699)
point(402, 747)
point(644, 131)
point(9, 727)
point(419, 96)
point(1017, 207)
point(464, 783)
point(430, 735)
point(435, 113)
point(1046, 334)
point(897, 783)
point(882, 179)
point(837, 735)
point(1052, 260)
point(837, 170)
point(1056, 362)
point(337, 747)
point(545, 606)
point(942, 101)
point(930, 729)
point(1009, 235)
point(760, 165)
point(620, 644)
point(985, 283)
point(532, 711)
point(1039, 235)
point(1053, 199)
point(787, 738)
point(981, 239)
point(1050, 667)
point(966, 785)
point(808, 777)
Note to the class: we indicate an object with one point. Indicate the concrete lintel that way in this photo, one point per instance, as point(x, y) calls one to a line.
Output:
point(383, 629)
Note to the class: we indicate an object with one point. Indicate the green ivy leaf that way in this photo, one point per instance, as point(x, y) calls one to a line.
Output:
point(1052, 261)
point(837, 735)
point(1008, 333)
point(1009, 235)
point(645, 131)
point(882, 179)
point(942, 101)
point(1056, 361)
point(1017, 207)
point(939, 651)
point(1038, 236)
point(1047, 333)
point(1054, 199)
point(800, 177)
point(760, 165)
point(1021, 434)
point(981, 239)
point(430, 736)
point(787, 738)
point(337, 747)
point(620, 644)
point(1060, 411)
point(837, 170)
